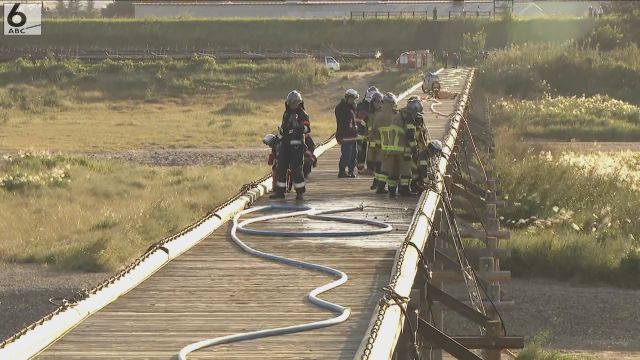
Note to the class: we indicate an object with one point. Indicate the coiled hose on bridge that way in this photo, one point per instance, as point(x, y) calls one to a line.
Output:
point(294, 211)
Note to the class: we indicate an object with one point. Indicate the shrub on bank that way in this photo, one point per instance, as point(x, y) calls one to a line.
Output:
point(569, 222)
point(596, 118)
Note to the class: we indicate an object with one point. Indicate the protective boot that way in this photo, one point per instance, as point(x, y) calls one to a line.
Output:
point(404, 190)
point(380, 188)
point(392, 191)
point(416, 187)
point(277, 194)
point(374, 185)
point(299, 195)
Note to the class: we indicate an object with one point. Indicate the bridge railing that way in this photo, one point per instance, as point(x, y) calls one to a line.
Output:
point(387, 321)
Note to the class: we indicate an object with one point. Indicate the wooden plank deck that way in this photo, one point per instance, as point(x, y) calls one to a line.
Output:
point(216, 289)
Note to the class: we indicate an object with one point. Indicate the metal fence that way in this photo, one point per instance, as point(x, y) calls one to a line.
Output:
point(388, 14)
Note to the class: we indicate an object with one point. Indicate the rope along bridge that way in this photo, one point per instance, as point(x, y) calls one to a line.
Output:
point(377, 270)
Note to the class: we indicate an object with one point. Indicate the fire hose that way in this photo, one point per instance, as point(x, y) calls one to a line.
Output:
point(342, 313)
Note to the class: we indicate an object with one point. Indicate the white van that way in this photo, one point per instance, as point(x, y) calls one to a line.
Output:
point(331, 63)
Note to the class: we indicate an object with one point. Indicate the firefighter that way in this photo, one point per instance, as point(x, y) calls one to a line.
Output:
point(373, 138)
point(389, 104)
point(395, 137)
point(347, 133)
point(274, 143)
point(362, 112)
point(295, 124)
point(422, 139)
point(432, 155)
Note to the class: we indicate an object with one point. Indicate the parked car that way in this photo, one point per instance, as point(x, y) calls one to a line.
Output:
point(331, 63)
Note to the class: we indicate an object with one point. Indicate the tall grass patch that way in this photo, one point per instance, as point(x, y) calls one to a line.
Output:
point(569, 222)
point(570, 118)
point(535, 350)
point(533, 70)
point(146, 79)
point(108, 212)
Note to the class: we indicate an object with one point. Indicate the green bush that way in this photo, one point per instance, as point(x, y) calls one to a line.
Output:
point(605, 37)
point(32, 170)
point(532, 70)
point(238, 107)
point(472, 44)
point(568, 223)
point(534, 350)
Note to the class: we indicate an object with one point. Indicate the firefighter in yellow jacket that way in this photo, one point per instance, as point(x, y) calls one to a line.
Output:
point(398, 144)
point(382, 118)
point(373, 137)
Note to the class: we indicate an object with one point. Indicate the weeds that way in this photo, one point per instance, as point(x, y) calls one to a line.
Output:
point(146, 80)
point(569, 222)
point(109, 212)
point(534, 350)
point(576, 118)
point(238, 107)
point(531, 71)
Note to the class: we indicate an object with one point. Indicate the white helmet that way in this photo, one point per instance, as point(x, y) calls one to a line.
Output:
point(372, 89)
point(352, 93)
point(294, 97)
point(269, 139)
point(376, 96)
point(436, 145)
point(369, 94)
point(390, 97)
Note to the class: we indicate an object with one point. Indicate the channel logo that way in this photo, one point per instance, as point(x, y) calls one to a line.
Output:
point(22, 19)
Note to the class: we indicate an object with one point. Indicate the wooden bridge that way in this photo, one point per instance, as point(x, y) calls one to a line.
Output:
point(215, 289)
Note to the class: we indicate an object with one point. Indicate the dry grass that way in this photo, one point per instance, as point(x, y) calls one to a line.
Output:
point(198, 122)
point(88, 121)
point(107, 213)
point(98, 215)
point(570, 221)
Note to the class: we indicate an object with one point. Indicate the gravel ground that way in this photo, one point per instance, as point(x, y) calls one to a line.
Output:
point(25, 290)
point(178, 157)
point(181, 157)
point(576, 317)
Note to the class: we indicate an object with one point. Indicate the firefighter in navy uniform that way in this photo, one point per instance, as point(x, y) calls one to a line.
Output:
point(295, 124)
point(362, 119)
point(419, 160)
point(347, 134)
